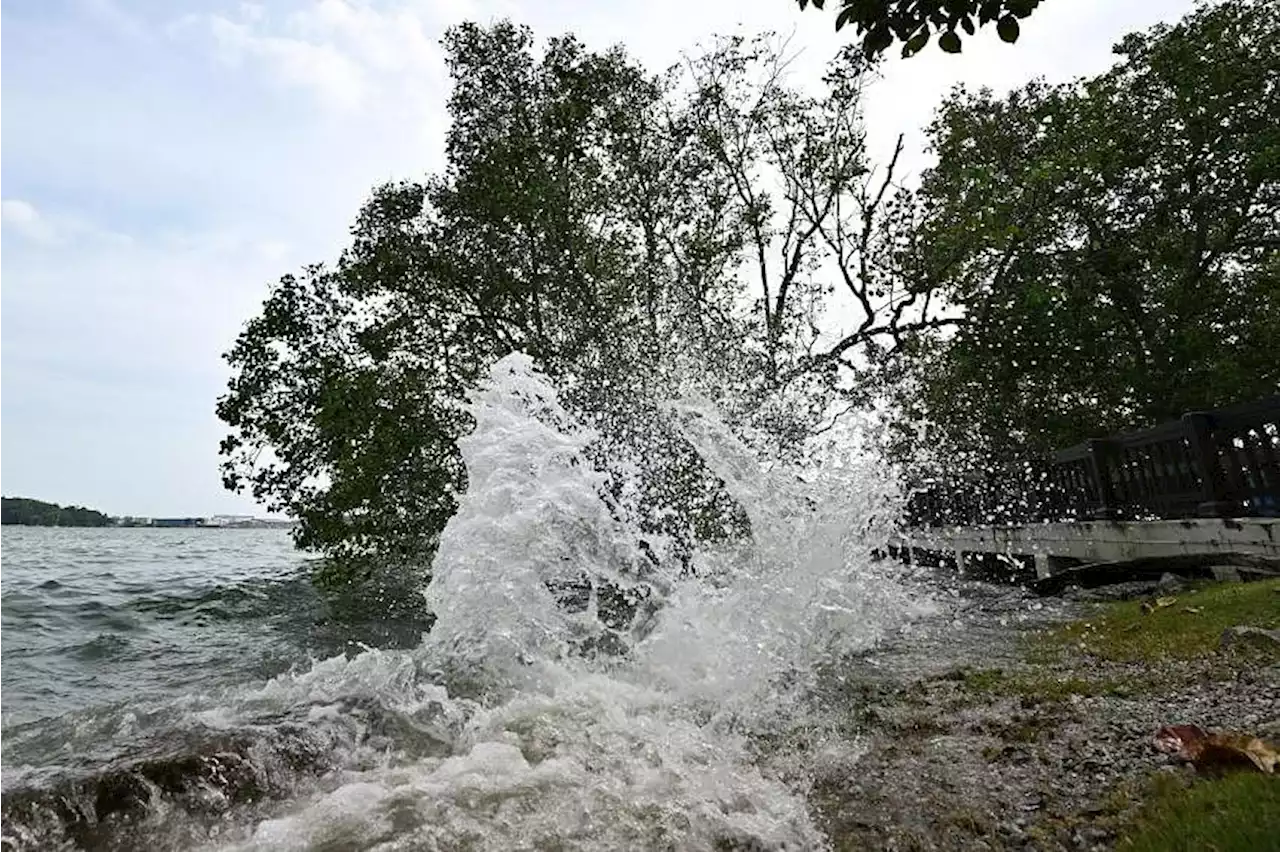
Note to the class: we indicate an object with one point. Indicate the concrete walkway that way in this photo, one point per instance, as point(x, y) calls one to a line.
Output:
point(1055, 546)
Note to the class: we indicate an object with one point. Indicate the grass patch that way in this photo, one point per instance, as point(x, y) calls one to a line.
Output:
point(1238, 813)
point(1188, 628)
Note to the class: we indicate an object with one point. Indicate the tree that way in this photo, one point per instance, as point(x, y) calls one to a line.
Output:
point(24, 511)
point(882, 22)
point(630, 231)
point(344, 400)
point(1113, 241)
point(816, 224)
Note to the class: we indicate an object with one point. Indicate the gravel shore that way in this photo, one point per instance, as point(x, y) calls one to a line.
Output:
point(970, 747)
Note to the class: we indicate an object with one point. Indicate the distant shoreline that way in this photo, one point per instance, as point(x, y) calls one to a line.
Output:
point(26, 512)
point(214, 523)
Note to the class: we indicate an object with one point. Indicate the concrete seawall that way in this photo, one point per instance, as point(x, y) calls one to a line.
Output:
point(1056, 546)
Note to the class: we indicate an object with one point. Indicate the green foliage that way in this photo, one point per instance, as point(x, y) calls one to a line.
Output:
point(1238, 813)
point(1111, 241)
point(27, 512)
point(344, 399)
point(626, 230)
point(880, 23)
point(366, 591)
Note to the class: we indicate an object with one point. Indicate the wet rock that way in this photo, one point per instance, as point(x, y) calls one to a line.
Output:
point(1244, 635)
point(1100, 580)
point(1115, 592)
point(604, 643)
point(199, 772)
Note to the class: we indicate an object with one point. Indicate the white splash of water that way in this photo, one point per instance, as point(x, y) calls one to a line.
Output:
point(532, 520)
point(651, 747)
point(805, 592)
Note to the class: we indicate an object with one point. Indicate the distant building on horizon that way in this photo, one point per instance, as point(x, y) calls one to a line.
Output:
point(212, 522)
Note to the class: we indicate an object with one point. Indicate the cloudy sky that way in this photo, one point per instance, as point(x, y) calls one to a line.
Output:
point(163, 162)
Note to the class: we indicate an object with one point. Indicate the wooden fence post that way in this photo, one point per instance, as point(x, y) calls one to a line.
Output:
point(1198, 426)
point(1101, 464)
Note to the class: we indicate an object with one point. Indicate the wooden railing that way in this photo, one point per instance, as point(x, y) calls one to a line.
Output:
point(1223, 463)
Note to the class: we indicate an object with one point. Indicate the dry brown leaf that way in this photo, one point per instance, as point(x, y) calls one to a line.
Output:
point(1179, 740)
point(1217, 752)
point(1151, 606)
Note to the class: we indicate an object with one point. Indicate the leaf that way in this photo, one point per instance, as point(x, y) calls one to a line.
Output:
point(1008, 29)
point(1215, 753)
point(916, 43)
point(967, 23)
point(988, 11)
point(949, 42)
point(1022, 8)
point(1179, 740)
point(1194, 610)
point(876, 41)
point(1149, 607)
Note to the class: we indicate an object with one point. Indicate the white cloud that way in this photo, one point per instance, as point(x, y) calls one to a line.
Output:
point(393, 41)
point(44, 229)
point(349, 55)
point(23, 218)
point(329, 74)
point(253, 11)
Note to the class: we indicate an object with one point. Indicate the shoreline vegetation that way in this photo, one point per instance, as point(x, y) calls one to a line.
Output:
point(24, 511)
point(1043, 737)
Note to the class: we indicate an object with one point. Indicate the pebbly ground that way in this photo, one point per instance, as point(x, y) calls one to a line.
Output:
point(970, 747)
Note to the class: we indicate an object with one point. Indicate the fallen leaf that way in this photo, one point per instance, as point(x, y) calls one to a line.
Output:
point(1179, 740)
point(1194, 610)
point(1217, 752)
point(1149, 607)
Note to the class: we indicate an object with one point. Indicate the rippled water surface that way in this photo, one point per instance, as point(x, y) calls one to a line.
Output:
point(188, 689)
point(98, 616)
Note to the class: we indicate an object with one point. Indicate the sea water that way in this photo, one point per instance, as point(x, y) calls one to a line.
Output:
point(219, 707)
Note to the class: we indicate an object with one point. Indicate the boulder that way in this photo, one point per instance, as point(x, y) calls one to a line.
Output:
point(1255, 637)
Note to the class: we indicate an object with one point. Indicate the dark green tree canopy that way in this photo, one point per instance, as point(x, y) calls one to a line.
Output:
point(1113, 241)
point(879, 23)
point(23, 511)
point(624, 228)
